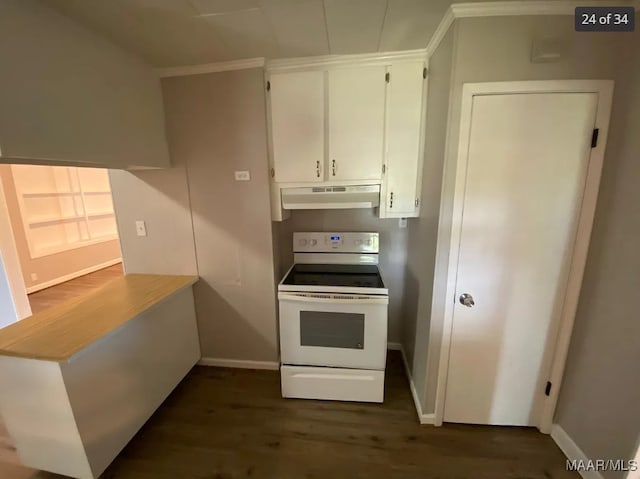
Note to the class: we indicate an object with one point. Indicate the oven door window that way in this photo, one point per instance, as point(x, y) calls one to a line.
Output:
point(332, 330)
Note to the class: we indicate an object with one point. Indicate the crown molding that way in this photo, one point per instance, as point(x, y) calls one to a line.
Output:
point(211, 67)
point(378, 58)
point(441, 31)
point(511, 8)
point(542, 7)
point(456, 10)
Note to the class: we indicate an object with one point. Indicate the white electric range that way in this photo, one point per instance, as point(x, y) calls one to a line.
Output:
point(333, 319)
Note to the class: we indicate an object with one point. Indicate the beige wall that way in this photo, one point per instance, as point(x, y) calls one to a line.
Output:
point(498, 49)
point(160, 198)
point(423, 231)
point(216, 124)
point(600, 394)
point(54, 266)
point(393, 247)
point(68, 95)
point(199, 219)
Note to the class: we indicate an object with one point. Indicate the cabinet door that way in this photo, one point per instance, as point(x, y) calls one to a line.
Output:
point(297, 126)
point(404, 128)
point(356, 123)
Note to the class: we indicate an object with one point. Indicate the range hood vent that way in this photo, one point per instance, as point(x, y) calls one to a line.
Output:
point(330, 197)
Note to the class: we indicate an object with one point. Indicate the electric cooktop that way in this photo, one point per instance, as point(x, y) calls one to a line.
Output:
point(351, 275)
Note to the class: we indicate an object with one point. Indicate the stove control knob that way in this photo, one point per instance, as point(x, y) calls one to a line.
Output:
point(368, 242)
point(358, 242)
point(313, 242)
point(303, 242)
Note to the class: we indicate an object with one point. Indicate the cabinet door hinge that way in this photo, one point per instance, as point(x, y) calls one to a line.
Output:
point(268, 86)
point(424, 72)
point(547, 390)
point(387, 77)
point(417, 202)
point(594, 137)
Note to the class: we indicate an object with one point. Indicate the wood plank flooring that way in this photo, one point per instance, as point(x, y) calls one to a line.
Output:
point(230, 423)
point(46, 298)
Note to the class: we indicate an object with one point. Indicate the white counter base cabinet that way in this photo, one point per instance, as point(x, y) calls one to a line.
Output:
point(74, 417)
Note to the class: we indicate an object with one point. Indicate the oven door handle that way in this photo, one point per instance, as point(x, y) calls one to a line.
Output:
point(333, 298)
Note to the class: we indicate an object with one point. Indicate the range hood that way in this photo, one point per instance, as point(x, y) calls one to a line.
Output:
point(330, 197)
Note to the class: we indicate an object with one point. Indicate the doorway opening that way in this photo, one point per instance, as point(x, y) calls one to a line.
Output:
point(60, 235)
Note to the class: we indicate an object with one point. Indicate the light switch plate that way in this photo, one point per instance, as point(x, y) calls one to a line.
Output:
point(243, 175)
point(141, 228)
point(402, 222)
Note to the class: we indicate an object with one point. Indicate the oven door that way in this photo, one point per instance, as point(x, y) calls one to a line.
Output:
point(340, 330)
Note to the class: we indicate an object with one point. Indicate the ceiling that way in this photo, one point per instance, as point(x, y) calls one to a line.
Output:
point(167, 33)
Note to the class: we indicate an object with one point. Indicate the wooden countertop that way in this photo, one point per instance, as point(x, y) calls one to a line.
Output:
point(58, 333)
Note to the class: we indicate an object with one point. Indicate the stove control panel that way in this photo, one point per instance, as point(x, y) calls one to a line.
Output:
point(335, 242)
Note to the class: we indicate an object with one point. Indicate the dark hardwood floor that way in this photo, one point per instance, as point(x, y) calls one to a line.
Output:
point(230, 423)
point(46, 298)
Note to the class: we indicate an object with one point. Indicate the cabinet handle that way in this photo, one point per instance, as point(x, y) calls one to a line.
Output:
point(391, 201)
point(384, 169)
point(273, 173)
point(318, 169)
point(333, 167)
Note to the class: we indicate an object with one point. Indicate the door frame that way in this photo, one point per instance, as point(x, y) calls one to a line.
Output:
point(564, 324)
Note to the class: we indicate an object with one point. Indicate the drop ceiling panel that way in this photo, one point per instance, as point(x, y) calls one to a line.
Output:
point(298, 26)
point(354, 26)
point(245, 33)
point(177, 37)
point(409, 24)
point(181, 7)
point(112, 21)
point(221, 6)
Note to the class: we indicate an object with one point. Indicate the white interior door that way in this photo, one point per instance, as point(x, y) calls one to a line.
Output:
point(526, 169)
point(356, 123)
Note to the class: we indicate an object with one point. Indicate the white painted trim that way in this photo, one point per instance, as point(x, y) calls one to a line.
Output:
point(456, 10)
point(542, 7)
point(393, 346)
point(70, 276)
point(211, 67)
point(10, 263)
point(422, 417)
point(506, 8)
point(325, 61)
point(239, 363)
point(571, 450)
point(441, 31)
point(604, 89)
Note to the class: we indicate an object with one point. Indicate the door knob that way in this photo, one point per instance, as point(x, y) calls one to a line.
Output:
point(467, 300)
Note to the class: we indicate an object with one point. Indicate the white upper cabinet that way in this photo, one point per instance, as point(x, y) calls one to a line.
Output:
point(297, 126)
point(356, 123)
point(350, 124)
point(403, 164)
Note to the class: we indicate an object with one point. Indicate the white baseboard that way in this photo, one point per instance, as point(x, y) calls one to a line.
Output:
point(70, 276)
point(422, 417)
point(571, 450)
point(274, 365)
point(239, 363)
